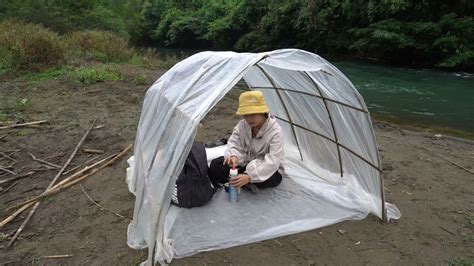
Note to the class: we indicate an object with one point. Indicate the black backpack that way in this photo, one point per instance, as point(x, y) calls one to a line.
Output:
point(193, 187)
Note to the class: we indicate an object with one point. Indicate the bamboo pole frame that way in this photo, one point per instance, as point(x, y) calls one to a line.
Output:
point(330, 119)
point(284, 106)
point(321, 96)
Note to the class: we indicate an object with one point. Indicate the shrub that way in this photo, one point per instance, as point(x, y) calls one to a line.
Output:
point(28, 46)
point(91, 75)
point(99, 45)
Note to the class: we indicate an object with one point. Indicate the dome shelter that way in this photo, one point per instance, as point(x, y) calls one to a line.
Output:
point(332, 163)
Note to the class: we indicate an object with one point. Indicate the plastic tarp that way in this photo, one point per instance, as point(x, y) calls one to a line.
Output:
point(333, 171)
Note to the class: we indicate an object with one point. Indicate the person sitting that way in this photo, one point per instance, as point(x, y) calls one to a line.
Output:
point(255, 148)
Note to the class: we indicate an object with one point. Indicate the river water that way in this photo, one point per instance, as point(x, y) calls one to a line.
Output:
point(427, 98)
point(419, 97)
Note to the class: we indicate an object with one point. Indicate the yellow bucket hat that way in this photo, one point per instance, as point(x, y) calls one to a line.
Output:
point(252, 102)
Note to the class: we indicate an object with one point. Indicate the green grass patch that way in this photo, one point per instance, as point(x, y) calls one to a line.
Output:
point(22, 133)
point(50, 74)
point(90, 75)
point(461, 261)
point(470, 218)
point(140, 80)
point(12, 108)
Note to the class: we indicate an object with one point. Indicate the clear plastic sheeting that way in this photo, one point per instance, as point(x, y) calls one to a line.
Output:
point(327, 129)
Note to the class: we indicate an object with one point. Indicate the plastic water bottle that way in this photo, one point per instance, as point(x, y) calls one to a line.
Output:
point(233, 192)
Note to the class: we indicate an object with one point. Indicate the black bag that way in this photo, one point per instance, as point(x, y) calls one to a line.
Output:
point(193, 187)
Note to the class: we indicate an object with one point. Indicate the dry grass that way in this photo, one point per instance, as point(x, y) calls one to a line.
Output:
point(98, 45)
point(28, 46)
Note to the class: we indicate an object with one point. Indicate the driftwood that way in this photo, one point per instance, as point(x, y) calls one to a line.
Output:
point(7, 156)
point(71, 170)
point(102, 208)
point(24, 124)
point(44, 162)
point(65, 184)
point(6, 180)
point(8, 188)
point(78, 173)
point(68, 183)
point(15, 214)
point(8, 171)
point(74, 168)
point(17, 233)
point(78, 146)
point(58, 256)
point(92, 151)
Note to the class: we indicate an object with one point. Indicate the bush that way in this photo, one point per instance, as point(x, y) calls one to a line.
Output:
point(28, 46)
point(94, 74)
point(99, 45)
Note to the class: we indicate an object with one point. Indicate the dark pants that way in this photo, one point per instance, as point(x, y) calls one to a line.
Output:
point(219, 174)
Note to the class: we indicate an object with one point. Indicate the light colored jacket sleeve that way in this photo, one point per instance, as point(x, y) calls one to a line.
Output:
point(234, 145)
point(260, 170)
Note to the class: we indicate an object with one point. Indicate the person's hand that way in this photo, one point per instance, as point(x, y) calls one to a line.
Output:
point(232, 161)
point(240, 181)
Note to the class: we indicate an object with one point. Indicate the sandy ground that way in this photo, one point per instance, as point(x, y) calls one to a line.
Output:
point(434, 195)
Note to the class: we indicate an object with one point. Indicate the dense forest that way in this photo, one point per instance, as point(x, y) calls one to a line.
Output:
point(405, 32)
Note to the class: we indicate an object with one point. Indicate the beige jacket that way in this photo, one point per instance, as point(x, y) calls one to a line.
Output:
point(263, 153)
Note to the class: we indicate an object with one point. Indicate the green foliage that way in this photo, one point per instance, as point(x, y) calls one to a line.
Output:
point(437, 33)
point(90, 75)
point(398, 31)
point(461, 261)
point(470, 218)
point(49, 74)
point(12, 108)
point(119, 16)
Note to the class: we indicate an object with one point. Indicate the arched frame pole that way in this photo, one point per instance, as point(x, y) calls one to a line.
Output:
point(284, 106)
point(331, 120)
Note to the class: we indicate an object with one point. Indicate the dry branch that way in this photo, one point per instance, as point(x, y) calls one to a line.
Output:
point(78, 173)
point(78, 146)
point(102, 208)
point(24, 124)
point(17, 233)
point(58, 256)
point(93, 151)
point(8, 157)
point(15, 214)
point(44, 162)
point(8, 171)
point(8, 188)
point(65, 184)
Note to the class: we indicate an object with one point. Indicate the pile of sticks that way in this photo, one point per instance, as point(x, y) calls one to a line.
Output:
point(54, 187)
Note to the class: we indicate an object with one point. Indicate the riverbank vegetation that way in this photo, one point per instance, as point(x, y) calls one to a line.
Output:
point(402, 32)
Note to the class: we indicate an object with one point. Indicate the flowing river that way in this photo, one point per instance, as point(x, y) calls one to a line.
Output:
point(428, 98)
